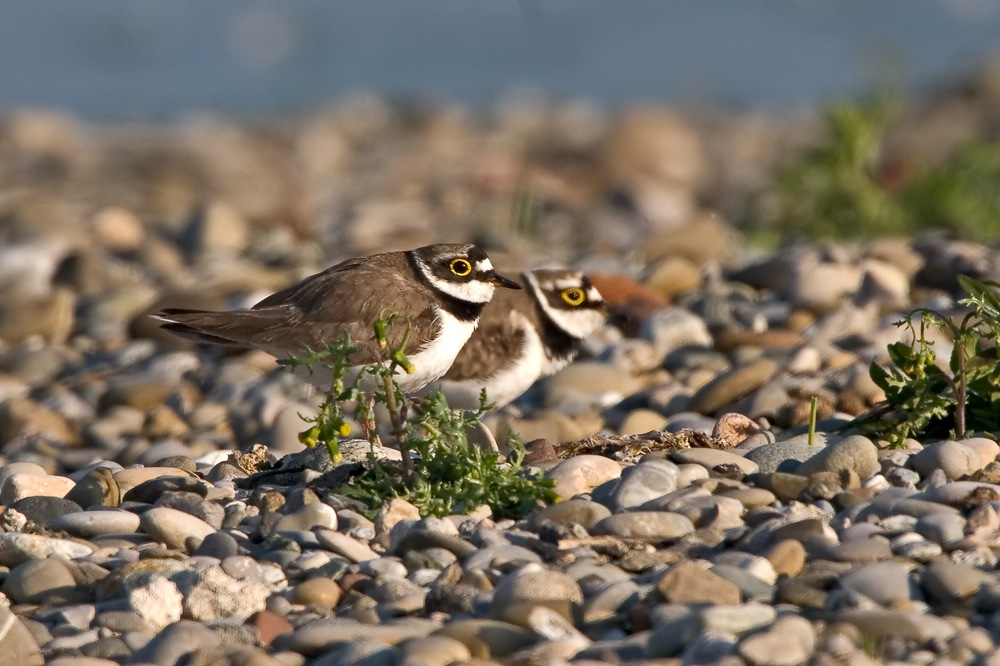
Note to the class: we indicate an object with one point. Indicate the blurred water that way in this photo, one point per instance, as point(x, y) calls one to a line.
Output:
point(161, 58)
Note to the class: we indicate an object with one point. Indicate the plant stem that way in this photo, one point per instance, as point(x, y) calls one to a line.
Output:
point(960, 387)
point(396, 416)
point(813, 405)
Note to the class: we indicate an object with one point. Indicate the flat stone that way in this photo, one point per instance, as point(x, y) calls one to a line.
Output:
point(758, 566)
point(36, 580)
point(581, 474)
point(269, 625)
point(885, 583)
point(176, 641)
point(312, 515)
point(963, 494)
point(174, 528)
point(652, 526)
point(580, 511)
point(908, 625)
point(87, 524)
point(788, 642)
point(322, 635)
point(861, 550)
point(732, 385)
point(17, 645)
point(786, 556)
point(687, 582)
point(784, 456)
point(641, 421)
point(941, 528)
point(19, 486)
point(517, 594)
point(435, 651)
point(737, 619)
point(712, 458)
point(953, 582)
point(750, 497)
point(344, 545)
point(488, 638)
point(854, 453)
point(952, 458)
point(16, 548)
point(986, 449)
point(42, 509)
point(151, 490)
point(641, 483)
point(134, 476)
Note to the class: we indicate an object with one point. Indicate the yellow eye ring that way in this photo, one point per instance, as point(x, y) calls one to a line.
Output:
point(460, 267)
point(573, 296)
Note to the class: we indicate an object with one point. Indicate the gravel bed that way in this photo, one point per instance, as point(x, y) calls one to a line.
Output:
point(131, 533)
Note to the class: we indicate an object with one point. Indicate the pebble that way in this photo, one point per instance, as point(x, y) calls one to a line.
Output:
point(689, 582)
point(16, 548)
point(952, 458)
point(141, 524)
point(732, 385)
point(643, 482)
point(712, 458)
point(19, 486)
point(516, 595)
point(855, 453)
point(174, 528)
point(581, 474)
point(585, 513)
point(789, 641)
point(785, 456)
point(652, 526)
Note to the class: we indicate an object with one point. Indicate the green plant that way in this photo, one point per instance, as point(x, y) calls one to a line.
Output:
point(441, 471)
point(925, 398)
point(961, 194)
point(832, 189)
point(838, 188)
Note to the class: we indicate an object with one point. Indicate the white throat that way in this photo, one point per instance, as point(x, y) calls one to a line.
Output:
point(433, 361)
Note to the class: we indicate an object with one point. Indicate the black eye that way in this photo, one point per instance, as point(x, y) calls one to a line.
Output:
point(573, 296)
point(460, 267)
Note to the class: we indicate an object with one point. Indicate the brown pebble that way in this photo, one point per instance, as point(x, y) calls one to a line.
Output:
point(688, 582)
point(540, 450)
point(787, 557)
point(355, 581)
point(269, 625)
point(321, 591)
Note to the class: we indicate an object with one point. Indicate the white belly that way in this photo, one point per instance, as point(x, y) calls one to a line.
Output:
point(506, 385)
point(429, 364)
point(433, 361)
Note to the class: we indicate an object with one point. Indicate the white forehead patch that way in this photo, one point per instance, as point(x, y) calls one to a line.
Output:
point(578, 323)
point(594, 295)
point(483, 265)
point(567, 283)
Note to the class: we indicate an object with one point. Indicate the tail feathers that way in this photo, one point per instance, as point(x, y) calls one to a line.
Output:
point(240, 328)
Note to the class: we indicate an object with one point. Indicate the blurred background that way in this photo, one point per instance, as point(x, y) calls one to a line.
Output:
point(194, 154)
point(124, 60)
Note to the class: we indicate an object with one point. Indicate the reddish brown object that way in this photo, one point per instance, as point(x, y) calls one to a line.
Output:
point(269, 625)
point(631, 300)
